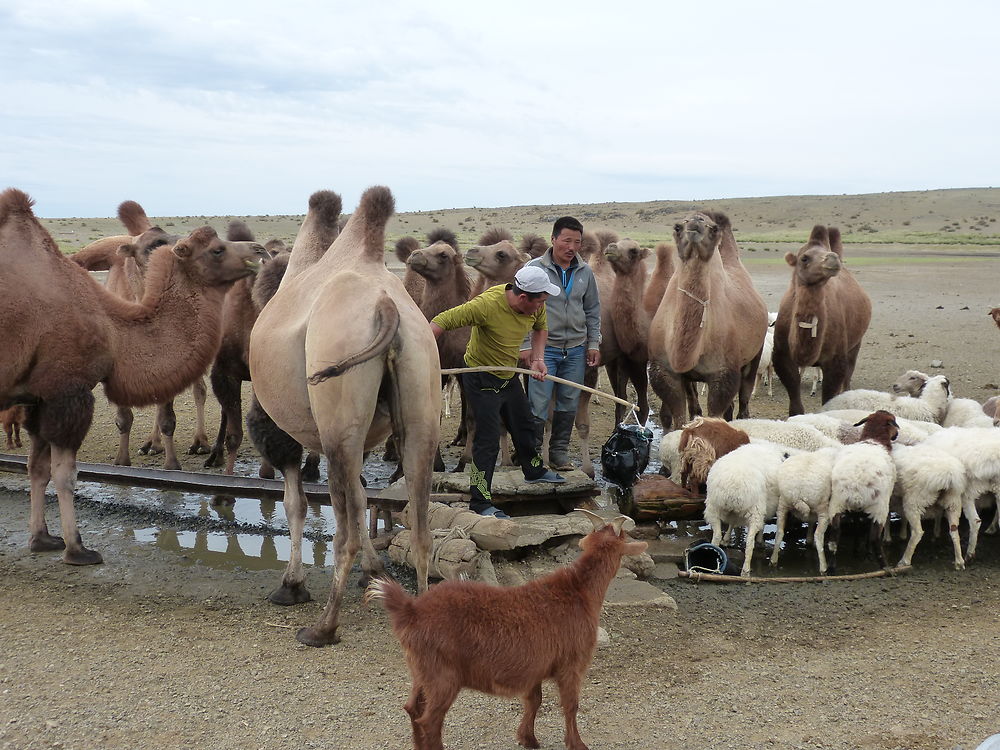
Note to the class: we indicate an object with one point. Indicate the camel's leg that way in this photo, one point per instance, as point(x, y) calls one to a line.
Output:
point(292, 589)
point(9, 429)
point(638, 375)
point(415, 423)
point(167, 422)
point(722, 389)
point(834, 377)
point(64, 479)
point(227, 392)
point(124, 424)
point(198, 393)
point(852, 358)
point(215, 456)
point(154, 443)
point(790, 377)
point(39, 472)
point(310, 469)
point(526, 731)
point(748, 379)
point(674, 391)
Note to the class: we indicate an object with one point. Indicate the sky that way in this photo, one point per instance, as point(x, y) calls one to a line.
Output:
point(225, 108)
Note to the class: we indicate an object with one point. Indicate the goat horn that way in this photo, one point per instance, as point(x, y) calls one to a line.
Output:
point(621, 522)
point(599, 523)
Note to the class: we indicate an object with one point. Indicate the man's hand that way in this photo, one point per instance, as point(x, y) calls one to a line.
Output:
point(539, 369)
point(525, 358)
point(593, 357)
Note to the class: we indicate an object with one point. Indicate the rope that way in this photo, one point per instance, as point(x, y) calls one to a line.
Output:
point(553, 378)
point(702, 302)
point(442, 536)
point(695, 576)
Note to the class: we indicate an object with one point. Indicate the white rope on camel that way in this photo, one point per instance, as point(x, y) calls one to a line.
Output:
point(523, 371)
point(702, 302)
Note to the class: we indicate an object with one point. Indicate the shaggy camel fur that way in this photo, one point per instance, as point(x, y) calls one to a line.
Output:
point(230, 368)
point(822, 318)
point(12, 419)
point(339, 357)
point(126, 263)
point(63, 333)
point(319, 229)
point(533, 245)
point(710, 325)
point(413, 282)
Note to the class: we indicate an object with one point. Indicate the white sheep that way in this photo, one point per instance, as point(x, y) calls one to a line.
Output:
point(842, 425)
point(861, 480)
point(804, 490)
point(961, 412)
point(742, 491)
point(929, 479)
point(765, 369)
point(930, 406)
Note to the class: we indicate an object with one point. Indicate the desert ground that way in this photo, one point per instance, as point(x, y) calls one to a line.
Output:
point(162, 647)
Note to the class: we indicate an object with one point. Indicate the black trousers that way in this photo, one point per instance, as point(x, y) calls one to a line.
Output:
point(496, 402)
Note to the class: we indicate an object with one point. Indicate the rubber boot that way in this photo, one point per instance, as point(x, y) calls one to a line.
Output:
point(539, 425)
point(562, 428)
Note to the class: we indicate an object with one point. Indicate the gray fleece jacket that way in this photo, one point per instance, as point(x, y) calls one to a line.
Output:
point(574, 317)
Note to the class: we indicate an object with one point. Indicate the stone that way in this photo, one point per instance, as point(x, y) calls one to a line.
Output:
point(630, 593)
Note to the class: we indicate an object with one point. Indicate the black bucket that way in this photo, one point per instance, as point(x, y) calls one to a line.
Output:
point(705, 557)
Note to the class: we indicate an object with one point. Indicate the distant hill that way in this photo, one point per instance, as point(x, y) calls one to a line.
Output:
point(937, 217)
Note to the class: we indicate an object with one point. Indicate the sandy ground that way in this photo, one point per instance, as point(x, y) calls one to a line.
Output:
point(152, 649)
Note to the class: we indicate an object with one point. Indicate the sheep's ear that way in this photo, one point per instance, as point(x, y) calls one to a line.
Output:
point(858, 424)
point(791, 259)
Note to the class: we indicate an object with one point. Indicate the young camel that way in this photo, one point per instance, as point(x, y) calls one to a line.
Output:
point(339, 357)
point(64, 333)
point(495, 259)
point(710, 324)
point(822, 318)
point(126, 258)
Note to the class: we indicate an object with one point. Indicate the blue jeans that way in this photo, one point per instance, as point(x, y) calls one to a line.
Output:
point(568, 364)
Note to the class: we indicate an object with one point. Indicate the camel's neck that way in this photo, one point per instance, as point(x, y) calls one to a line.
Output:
point(808, 323)
point(628, 313)
point(696, 303)
point(657, 286)
point(164, 343)
point(443, 294)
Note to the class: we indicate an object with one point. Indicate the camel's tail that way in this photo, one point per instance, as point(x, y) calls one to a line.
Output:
point(133, 217)
point(387, 321)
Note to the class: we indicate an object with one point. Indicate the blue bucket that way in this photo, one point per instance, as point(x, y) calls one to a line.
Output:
point(705, 557)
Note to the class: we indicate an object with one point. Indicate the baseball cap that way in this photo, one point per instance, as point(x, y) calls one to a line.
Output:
point(533, 279)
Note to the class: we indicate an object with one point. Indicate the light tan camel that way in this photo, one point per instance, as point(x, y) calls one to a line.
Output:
point(658, 280)
point(495, 260)
point(710, 324)
point(340, 356)
point(63, 333)
point(125, 258)
point(822, 318)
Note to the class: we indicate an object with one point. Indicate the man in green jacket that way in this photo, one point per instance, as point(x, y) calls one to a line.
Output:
point(500, 317)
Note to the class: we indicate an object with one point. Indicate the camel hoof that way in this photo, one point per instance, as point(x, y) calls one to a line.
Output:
point(172, 465)
point(214, 460)
point(82, 556)
point(199, 449)
point(267, 473)
point(316, 637)
point(312, 475)
point(289, 596)
point(144, 449)
point(45, 542)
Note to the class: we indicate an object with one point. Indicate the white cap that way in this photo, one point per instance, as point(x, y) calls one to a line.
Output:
point(533, 280)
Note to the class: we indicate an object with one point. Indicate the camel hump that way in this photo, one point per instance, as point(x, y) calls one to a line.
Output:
point(327, 206)
point(493, 235)
point(386, 319)
point(444, 235)
point(605, 237)
point(819, 236)
point(238, 231)
point(376, 207)
point(268, 280)
point(533, 245)
point(836, 243)
point(14, 201)
point(405, 247)
point(721, 220)
point(133, 217)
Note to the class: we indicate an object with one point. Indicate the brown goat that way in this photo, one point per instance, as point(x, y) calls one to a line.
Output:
point(822, 318)
point(703, 441)
point(12, 419)
point(505, 641)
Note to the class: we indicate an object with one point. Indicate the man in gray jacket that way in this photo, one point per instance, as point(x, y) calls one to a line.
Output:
point(574, 320)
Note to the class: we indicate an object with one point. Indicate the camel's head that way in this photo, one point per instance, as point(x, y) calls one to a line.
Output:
point(211, 261)
point(697, 236)
point(910, 383)
point(143, 246)
point(500, 260)
point(816, 262)
point(995, 314)
point(625, 255)
point(276, 246)
point(435, 262)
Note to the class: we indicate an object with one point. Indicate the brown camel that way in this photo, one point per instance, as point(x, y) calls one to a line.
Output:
point(63, 333)
point(710, 325)
point(495, 259)
point(230, 368)
point(658, 280)
point(340, 356)
point(822, 318)
point(413, 282)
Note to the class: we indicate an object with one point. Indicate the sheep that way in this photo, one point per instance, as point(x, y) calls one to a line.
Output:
point(742, 491)
point(505, 641)
point(961, 412)
point(803, 483)
point(990, 409)
point(927, 478)
point(817, 377)
point(930, 406)
point(703, 441)
point(840, 425)
point(765, 369)
point(861, 479)
point(979, 450)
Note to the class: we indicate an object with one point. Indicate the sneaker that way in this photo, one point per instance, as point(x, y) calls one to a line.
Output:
point(492, 511)
point(548, 476)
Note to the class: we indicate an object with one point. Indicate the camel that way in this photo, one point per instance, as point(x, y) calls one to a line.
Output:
point(822, 318)
point(230, 368)
point(64, 333)
point(413, 282)
point(533, 245)
point(659, 279)
point(710, 325)
point(495, 259)
point(125, 258)
point(339, 357)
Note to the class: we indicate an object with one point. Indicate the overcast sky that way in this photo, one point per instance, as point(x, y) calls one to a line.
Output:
point(246, 108)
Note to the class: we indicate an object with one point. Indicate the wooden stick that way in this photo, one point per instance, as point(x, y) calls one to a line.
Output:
point(553, 378)
point(696, 576)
